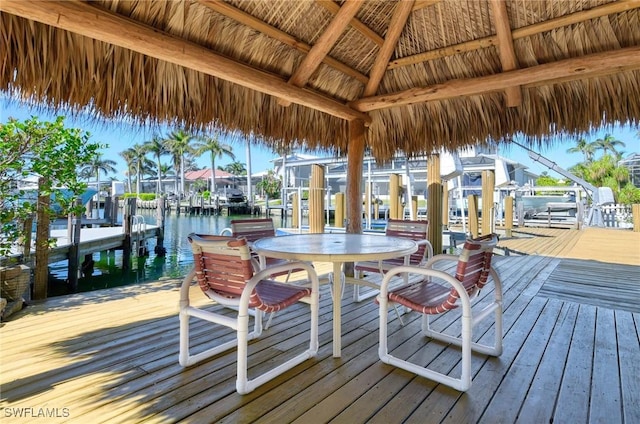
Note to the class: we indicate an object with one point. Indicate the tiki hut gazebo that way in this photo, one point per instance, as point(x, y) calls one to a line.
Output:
point(345, 76)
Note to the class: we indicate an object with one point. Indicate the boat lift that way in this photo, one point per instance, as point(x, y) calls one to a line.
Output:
point(600, 196)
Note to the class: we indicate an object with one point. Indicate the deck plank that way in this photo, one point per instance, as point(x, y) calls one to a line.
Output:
point(111, 356)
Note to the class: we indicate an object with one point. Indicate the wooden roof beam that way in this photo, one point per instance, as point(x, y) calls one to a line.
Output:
point(505, 48)
point(246, 19)
point(325, 42)
point(396, 25)
point(95, 22)
point(334, 7)
point(574, 18)
point(597, 64)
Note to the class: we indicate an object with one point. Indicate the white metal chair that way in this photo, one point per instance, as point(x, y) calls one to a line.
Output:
point(440, 292)
point(224, 270)
point(414, 230)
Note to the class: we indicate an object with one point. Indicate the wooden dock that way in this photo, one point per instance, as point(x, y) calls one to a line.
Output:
point(94, 240)
point(111, 356)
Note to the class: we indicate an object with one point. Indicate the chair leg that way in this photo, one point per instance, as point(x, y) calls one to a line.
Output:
point(461, 384)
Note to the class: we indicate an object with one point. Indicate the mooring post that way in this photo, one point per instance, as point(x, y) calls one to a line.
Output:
point(160, 213)
point(74, 250)
point(127, 222)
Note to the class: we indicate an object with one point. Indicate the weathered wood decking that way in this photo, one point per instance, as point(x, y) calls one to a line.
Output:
point(111, 356)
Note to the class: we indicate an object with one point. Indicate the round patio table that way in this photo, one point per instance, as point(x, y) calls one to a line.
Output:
point(337, 249)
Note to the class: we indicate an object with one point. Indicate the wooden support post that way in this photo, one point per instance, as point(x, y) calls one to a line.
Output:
point(488, 186)
point(74, 230)
point(473, 215)
point(394, 196)
point(355, 162)
point(316, 200)
point(434, 202)
point(41, 273)
point(339, 215)
point(127, 222)
point(508, 216)
point(636, 217)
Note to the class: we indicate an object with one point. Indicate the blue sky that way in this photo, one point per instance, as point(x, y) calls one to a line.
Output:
point(120, 136)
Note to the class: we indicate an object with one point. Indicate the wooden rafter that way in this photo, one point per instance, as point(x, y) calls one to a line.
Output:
point(505, 48)
point(574, 18)
point(244, 18)
point(98, 23)
point(334, 7)
point(325, 42)
point(398, 20)
point(593, 65)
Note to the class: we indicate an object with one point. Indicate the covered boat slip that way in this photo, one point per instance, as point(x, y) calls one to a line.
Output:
point(112, 356)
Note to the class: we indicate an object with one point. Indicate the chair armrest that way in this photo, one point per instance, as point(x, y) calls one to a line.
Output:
point(184, 288)
point(267, 272)
point(429, 247)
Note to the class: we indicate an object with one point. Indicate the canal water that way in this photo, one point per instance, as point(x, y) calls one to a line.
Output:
point(175, 264)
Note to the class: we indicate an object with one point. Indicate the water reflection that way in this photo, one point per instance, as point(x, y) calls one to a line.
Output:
point(175, 264)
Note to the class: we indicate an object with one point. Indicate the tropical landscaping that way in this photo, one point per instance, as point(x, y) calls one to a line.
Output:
point(601, 167)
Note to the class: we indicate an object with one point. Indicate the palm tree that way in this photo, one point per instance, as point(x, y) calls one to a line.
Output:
point(235, 168)
point(166, 170)
point(584, 147)
point(177, 144)
point(128, 157)
point(97, 166)
point(215, 149)
point(157, 147)
point(607, 143)
point(140, 161)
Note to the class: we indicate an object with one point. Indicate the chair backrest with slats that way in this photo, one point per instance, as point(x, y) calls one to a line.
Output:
point(223, 264)
point(253, 229)
point(474, 265)
point(414, 230)
point(474, 262)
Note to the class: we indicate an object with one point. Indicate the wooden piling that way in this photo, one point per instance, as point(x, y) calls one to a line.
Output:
point(636, 217)
point(414, 206)
point(434, 202)
point(73, 233)
point(394, 196)
point(339, 215)
point(316, 200)
point(472, 201)
point(508, 216)
point(127, 223)
point(488, 186)
point(295, 211)
point(161, 211)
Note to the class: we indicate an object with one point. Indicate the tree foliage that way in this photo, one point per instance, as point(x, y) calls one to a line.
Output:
point(605, 171)
point(270, 184)
point(49, 150)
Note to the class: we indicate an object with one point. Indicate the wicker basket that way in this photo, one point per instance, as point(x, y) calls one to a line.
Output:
point(14, 281)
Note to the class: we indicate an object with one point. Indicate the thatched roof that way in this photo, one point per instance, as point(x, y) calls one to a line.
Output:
point(421, 74)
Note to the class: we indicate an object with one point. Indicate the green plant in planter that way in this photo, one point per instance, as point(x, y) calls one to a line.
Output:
point(47, 150)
